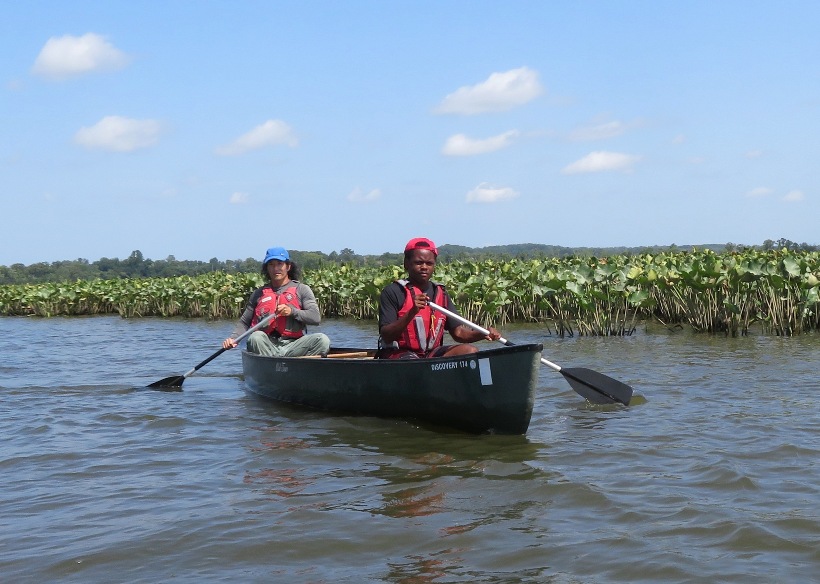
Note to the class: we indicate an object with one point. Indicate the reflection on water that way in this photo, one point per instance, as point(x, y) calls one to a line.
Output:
point(712, 476)
point(412, 502)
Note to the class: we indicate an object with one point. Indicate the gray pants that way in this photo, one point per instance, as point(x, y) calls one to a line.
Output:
point(311, 344)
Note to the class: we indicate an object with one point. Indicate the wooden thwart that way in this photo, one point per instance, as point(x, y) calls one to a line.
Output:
point(350, 355)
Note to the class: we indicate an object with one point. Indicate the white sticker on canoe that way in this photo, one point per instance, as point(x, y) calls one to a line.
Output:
point(484, 372)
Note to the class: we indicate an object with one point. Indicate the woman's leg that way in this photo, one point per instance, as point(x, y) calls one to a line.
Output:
point(311, 344)
point(259, 342)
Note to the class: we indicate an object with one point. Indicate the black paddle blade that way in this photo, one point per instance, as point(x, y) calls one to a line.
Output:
point(597, 387)
point(169, 382)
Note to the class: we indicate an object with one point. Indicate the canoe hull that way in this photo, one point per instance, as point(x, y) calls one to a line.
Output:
point(490, 391)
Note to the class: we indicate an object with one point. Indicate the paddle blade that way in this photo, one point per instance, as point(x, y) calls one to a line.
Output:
point(169, 382)
point(597, 387)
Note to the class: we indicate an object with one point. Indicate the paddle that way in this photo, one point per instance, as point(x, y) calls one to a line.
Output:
point(178, 380)
point(591, 385)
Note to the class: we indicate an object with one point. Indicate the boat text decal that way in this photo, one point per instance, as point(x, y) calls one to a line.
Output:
point(452, 365)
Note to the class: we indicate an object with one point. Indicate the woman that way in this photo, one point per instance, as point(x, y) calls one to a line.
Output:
point(294, 305)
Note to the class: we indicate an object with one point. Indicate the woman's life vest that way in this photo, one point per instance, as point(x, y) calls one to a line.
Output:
point(426, 331)
point(267, 304)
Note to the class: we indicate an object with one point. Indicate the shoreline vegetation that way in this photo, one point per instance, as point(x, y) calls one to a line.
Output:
point(137, 266)
point(731, 292)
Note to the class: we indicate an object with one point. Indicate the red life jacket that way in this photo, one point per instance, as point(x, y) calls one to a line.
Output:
point(426, 331)
point(267, 304)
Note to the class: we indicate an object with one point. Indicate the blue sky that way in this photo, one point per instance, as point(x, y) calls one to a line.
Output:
point(218, 129)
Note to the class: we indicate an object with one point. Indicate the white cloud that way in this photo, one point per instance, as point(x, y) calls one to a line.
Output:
point(119, 134)
point(357, 195)
point(752, 154)
point(794, 196)
point(69, 56)
point(461, 145)
point(759, 192)
point(500, 92)
point(238, 198)
point(598, 132)
point(271, 133)
point(679, 139)
point(487, 193)
point(602, 161)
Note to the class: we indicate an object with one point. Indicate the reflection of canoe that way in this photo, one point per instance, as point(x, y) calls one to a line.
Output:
point(489, 391)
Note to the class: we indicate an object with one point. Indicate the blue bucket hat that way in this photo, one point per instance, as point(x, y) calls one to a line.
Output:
point(276, 253)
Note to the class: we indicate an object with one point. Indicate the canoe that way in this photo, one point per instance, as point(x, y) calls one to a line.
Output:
point(491, 391)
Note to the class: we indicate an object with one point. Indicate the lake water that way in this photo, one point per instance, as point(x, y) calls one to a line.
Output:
point(714, 477)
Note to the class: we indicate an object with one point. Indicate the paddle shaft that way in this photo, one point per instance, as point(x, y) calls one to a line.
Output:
point(593, 386)
point(253, 329)
point(177, 381)
point(482, 330)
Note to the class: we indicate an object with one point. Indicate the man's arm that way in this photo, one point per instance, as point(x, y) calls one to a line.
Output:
point(459, 332)
point(465, 334)
point(391, 327)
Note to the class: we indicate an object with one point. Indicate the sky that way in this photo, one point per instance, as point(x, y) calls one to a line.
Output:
point(217, 129)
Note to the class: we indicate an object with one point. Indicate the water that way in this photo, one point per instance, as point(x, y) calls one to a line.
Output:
point(713, 478)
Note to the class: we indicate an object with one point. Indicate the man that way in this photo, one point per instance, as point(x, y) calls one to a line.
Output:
point(408, 327)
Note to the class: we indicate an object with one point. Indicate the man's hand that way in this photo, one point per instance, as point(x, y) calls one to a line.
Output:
point(420, 301)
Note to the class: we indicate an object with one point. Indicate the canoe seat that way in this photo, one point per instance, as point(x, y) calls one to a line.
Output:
point(350, 355)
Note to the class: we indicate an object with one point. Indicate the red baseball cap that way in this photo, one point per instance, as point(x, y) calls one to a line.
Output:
point(421, 243)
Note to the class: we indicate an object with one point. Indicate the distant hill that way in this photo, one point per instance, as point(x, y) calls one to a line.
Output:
point(531, 250)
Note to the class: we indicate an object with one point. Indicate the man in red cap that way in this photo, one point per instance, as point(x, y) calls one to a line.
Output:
point(408, 327)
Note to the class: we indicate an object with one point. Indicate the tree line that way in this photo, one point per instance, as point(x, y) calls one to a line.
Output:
point(137, 266)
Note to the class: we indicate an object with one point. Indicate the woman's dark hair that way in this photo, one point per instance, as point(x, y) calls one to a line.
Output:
point(294, 271)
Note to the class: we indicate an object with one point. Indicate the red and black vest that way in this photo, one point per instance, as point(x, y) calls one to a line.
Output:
point(267, 304)
point(426, 331)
